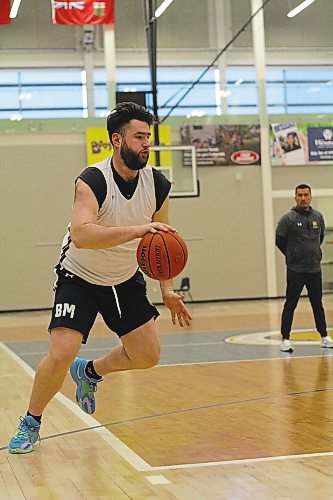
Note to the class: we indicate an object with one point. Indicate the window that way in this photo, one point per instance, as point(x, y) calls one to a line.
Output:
point(306, 90)
point(313, 90)
point(62, 93)
point(173, 82)
point(42, 94)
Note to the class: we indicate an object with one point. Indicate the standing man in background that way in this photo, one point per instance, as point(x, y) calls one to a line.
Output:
point(299, 235)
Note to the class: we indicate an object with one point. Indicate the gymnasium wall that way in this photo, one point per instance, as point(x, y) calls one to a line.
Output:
point(224, 226)
point(39, 160)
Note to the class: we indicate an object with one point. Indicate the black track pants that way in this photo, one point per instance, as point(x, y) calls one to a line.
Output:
point(295, 284)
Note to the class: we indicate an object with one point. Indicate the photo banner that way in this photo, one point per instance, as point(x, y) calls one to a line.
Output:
point(83, 12)
point(290, 143)
point(320, 141)
point(98, 145)
point(222, 145)
point(4, 12)
point(301, 144)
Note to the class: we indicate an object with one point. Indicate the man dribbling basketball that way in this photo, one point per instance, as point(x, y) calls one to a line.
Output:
point(117, 201)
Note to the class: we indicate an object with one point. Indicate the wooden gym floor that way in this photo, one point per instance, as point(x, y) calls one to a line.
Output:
point(225, 415)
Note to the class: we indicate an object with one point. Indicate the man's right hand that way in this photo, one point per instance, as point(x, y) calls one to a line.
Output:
point(153, 227)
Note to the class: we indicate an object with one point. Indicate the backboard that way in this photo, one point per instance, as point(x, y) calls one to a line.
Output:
point(178, 164)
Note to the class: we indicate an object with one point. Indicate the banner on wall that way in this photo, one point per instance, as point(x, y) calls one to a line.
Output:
point(4, 12)
point(301, 144)
point(222, 145)
point(83, 12)
point(320, 140)
point(98, 145)
point(290, 143)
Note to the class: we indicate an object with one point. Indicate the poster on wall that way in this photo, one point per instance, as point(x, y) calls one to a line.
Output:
point(301, 144)
point(98, 145)
point(289, 143)
point(320, 140)
point(222, 145)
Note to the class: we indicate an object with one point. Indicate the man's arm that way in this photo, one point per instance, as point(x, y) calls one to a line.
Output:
point(172, 300)
point(86, 233)
point(322, 232)
point(281, 234)
point(281, 243)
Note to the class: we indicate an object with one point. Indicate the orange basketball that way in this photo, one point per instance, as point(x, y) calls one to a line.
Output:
point(162, 255)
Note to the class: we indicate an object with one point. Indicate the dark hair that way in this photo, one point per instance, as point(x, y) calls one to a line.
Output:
point(123, 113)
point(302, 186)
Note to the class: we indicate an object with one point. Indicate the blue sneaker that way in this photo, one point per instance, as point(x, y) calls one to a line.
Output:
point(86, 387)
point(26, 435)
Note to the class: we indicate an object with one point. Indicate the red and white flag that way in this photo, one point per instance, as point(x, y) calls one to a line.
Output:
point(83, 12)
point(4, 12)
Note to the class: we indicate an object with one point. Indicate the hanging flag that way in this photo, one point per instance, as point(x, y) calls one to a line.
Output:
point(83, 12)
point(4, 12)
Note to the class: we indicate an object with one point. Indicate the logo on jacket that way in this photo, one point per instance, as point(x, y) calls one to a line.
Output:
point(299, 224)
point(315, 224)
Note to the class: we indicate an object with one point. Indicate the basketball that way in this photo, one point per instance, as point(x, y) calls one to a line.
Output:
point(162, 255)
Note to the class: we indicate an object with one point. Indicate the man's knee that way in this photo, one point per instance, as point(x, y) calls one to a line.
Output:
point(146, 359)
point(60, 359)
point(65, 344)
point(152, 360)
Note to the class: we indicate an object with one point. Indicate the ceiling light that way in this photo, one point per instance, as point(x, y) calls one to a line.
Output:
point(25, 96)
point(163, 7)
point(196, 113)
point(16, 117)
point(300, 7)
point(313, 89)
point(14, 9)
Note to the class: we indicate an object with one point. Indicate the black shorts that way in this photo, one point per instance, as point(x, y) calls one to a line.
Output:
point(124, 307)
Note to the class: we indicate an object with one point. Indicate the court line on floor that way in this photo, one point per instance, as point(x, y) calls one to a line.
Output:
point(282, 356)
point(285, 356)
point(142, 466)
point(163, 346)
point(244, 461)
point(129, 455)
point(303, 343)
point(242, 337)
point(262, 338)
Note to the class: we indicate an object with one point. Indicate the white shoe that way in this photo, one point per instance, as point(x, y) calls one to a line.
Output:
point(286, 346)
point(326, 341)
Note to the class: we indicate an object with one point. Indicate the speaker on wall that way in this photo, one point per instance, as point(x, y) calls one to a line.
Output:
point(137, 97)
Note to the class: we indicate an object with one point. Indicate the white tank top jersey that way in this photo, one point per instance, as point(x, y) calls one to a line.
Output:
point(112, 266)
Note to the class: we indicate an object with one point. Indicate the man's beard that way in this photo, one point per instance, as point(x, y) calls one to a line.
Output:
point(131, 159)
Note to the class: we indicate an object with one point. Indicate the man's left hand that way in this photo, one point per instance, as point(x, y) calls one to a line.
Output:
point(175, 303)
